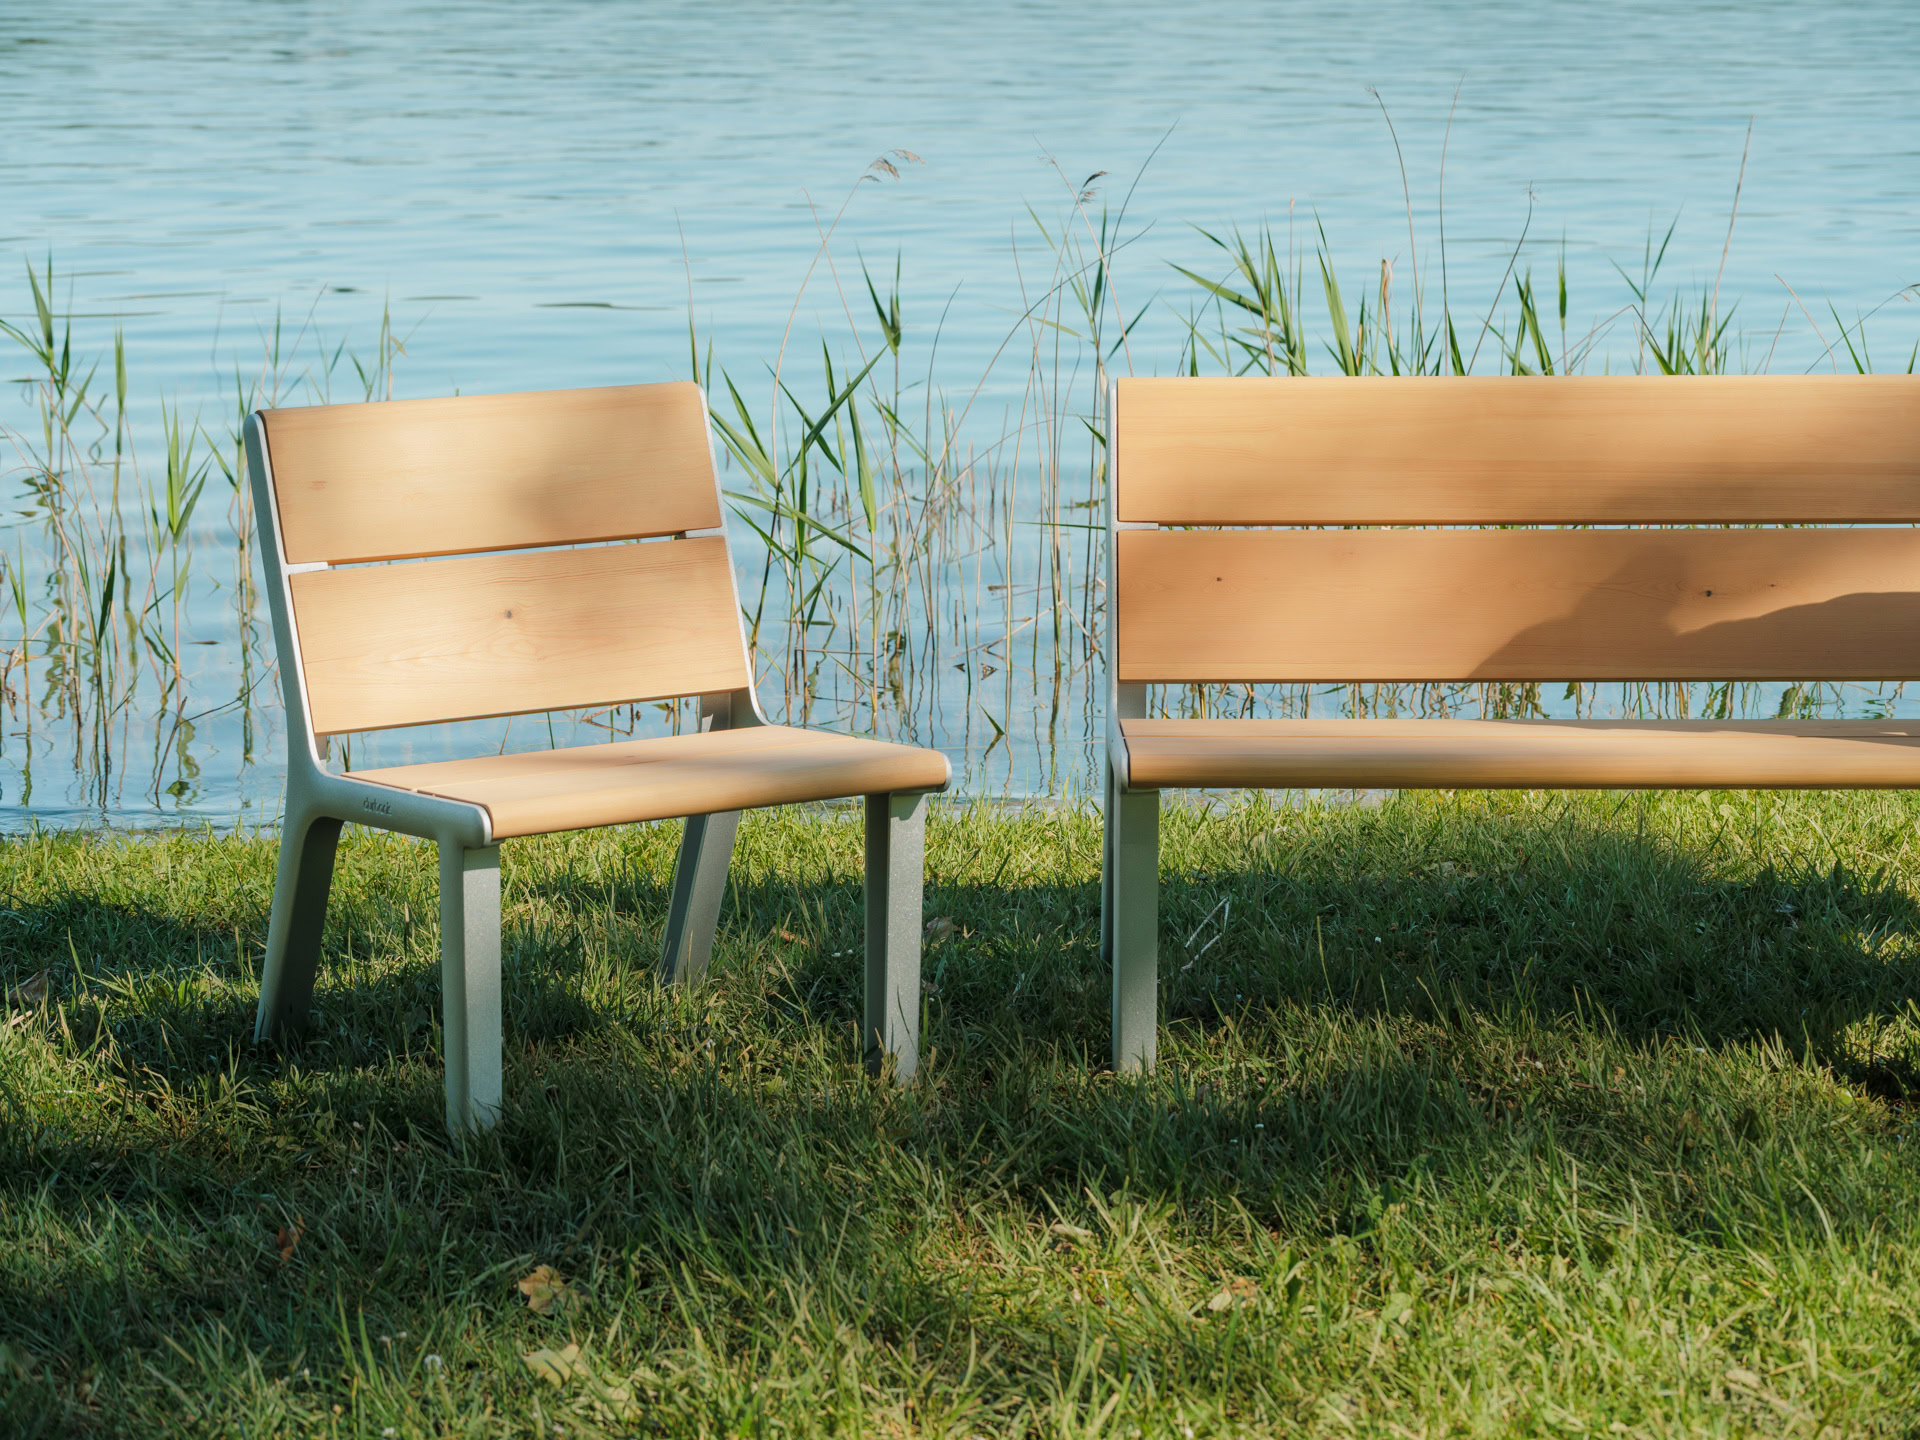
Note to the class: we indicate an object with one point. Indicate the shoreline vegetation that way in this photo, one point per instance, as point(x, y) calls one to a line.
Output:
point(1516, 1113)
point(925, 568)
point(1510, 1114)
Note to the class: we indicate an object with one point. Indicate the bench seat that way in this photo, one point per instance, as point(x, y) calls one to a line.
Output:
point(668, 776)
point(1521, 754)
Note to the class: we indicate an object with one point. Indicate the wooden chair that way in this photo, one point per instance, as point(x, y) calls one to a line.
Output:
point(564, 550)
point(1389, 570)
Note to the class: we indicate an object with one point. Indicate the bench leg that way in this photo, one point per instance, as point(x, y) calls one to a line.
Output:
point(1130, 921)
point(699, 884)
point(896, 879)
point(470, 984)
point(300, 889)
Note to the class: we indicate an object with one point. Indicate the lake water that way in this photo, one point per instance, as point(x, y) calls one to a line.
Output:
point(533, 189)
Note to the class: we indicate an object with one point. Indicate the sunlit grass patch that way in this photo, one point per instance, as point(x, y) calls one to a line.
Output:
point(1512, 1114)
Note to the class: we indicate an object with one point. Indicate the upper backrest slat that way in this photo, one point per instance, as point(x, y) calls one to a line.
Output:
point(410, 478)
point(1518, 450)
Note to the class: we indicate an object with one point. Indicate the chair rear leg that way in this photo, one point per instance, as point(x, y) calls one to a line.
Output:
point(896, 879)
point(470, 984)
point(1130, 922)
point(300, 888)
point(699, 884)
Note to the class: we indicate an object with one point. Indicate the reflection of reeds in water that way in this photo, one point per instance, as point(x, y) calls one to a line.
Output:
point(924, 569)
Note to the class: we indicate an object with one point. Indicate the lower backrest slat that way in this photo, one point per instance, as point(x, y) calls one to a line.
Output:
point(484, 635)
point(1436, 605)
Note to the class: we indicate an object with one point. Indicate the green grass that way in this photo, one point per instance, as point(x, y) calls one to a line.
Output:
point(1505, 1115)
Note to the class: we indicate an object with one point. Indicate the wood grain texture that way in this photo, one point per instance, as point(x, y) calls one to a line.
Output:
point(491, 472)
point(656, 779)
point(1289, 605)
point(1521, 754)
point(1518, 450)
point(485, 635)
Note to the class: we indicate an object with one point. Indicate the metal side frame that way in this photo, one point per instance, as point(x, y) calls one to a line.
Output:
point(1130, 858)
point(318, 803)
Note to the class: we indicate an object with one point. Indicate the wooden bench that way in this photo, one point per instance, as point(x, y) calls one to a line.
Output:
point(566, 551)
point(1388, 568)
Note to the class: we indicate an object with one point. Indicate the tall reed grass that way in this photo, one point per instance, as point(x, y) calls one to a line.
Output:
point(927, 560)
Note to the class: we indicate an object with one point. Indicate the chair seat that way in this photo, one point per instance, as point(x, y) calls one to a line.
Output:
point(1522, 754)
point(656, 779)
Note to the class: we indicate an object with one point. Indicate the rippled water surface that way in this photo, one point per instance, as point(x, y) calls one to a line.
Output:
point(537, 192)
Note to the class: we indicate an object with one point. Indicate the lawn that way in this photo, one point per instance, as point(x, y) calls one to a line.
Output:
point(1476, 1115)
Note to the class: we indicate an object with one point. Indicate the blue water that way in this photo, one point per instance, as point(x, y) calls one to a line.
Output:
point(534, 188)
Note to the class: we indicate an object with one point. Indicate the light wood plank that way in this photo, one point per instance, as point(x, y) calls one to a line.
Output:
point(1288, 605)
point(481, 635)
point(1522, 754)
point(1333, 450)
point(655, 779)
point(491, 472)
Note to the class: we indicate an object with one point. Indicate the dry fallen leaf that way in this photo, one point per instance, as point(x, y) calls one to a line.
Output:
point(555, 1366)
point(547, 1293)
point(29, 994)
point(789, 935)
point(286, 1237)
point(1237, 1291)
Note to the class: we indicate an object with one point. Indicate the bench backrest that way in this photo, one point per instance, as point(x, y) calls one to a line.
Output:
point(1459, 598)
point(494, 619)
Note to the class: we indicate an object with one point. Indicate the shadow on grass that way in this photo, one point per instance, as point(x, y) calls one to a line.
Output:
point(1356, 1031)
point(1640, 935)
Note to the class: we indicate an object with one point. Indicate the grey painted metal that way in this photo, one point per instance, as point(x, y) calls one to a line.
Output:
point(470, 984)
point(300, 890)
point(1132, 899)
point(700, 872)
point(1130, 850)
point(699, 885)
point(896, 876)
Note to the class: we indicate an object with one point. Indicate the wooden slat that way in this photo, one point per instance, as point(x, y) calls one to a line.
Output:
point(546, 790)
point(1518, 450)
point(1522, 754)
point(510, 634)
point(491, 472)
point(1285, 605)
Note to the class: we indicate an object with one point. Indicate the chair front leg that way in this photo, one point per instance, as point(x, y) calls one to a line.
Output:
point(896, 879)
point(300, 888)
point(1130, 921)
point(699, 884)
point(470, 984)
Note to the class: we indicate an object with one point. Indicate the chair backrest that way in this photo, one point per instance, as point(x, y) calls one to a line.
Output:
point(469, 631)
point(1348, 593)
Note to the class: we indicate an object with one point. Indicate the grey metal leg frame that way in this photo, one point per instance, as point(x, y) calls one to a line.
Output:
point(300, 890)
point(896, 878)
point(1130, 921)
point(699, 885)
